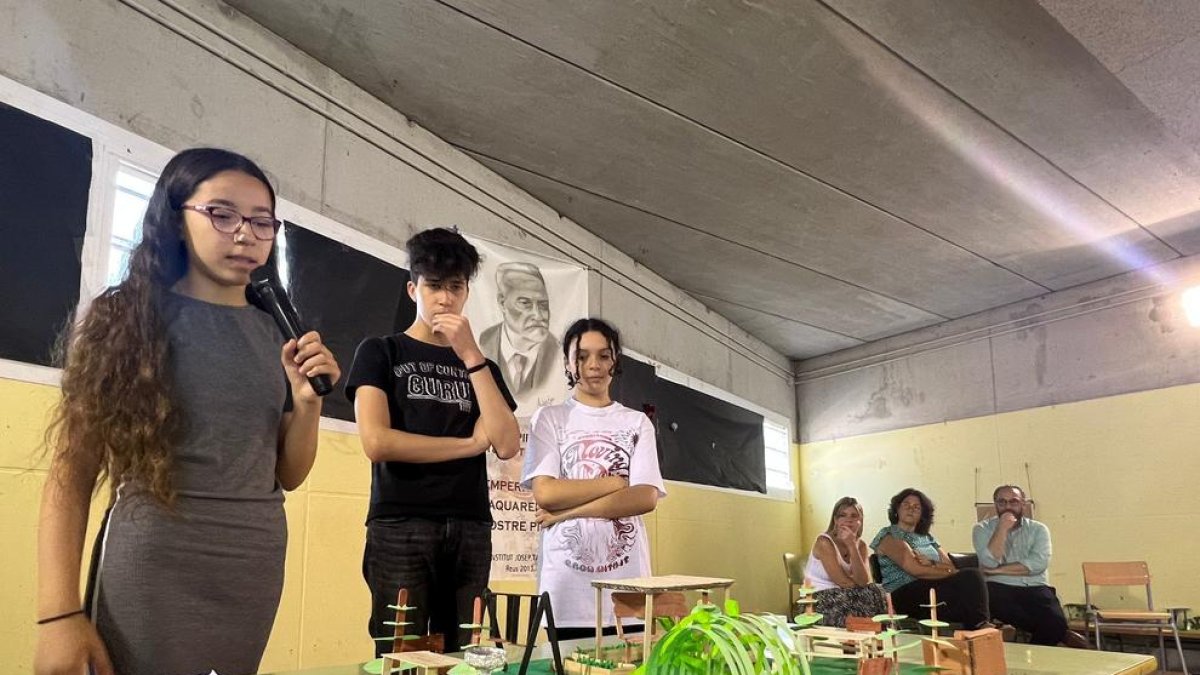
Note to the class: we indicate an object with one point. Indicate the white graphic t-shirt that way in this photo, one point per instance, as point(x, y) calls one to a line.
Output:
point(572, 440)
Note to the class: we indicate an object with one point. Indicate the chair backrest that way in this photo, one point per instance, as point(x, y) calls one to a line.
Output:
point(1130, 573)
point(794, 566)
point(1133, 573)
point(961, 561)
point(964, 561)
point(985, 510)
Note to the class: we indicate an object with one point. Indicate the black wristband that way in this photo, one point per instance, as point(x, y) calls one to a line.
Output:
point(42, 622)
point(475, 369)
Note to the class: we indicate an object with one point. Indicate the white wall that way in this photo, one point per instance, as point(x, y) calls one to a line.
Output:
point(1115, 336)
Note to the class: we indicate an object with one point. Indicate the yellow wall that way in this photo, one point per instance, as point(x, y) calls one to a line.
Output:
point(1114, 478)
point(323, 614)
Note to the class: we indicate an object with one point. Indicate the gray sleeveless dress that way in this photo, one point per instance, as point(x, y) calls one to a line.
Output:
point(197, 590)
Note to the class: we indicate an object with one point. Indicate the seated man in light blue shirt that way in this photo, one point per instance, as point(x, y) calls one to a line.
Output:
point(1014, 553)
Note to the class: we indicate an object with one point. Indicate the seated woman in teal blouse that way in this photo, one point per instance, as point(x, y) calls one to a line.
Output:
point(911, 562)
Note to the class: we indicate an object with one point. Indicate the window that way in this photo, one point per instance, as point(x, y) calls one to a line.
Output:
point(132, 195)
point(777, 447)
point(133, 189)
point(643, 374)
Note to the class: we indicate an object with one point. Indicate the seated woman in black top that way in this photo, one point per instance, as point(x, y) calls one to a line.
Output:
point(912, 562)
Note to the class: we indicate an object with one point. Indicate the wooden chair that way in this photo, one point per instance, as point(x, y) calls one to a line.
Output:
point(794, 566)
point(1135, 573)
point(963, 561)
point(530, 606)
point(633, 606)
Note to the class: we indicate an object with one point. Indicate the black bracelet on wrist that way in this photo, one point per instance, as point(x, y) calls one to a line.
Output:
point(51, 619)
point(476, 369)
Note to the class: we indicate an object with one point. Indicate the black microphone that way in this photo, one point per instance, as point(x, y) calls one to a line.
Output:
point(264, 295)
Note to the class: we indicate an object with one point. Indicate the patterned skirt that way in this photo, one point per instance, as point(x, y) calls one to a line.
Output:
point(835, 604)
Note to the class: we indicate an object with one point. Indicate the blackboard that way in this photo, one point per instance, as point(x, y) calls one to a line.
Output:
point(344, 294)
point(45, 175)
point(701, 439)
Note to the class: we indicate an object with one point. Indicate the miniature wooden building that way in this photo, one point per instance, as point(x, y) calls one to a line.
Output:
point(977, 652)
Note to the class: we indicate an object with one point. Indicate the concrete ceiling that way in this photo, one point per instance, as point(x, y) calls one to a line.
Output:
point(822, 172)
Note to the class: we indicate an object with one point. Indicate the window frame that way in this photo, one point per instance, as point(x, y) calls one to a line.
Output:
point(114, 148)
point(774, 419)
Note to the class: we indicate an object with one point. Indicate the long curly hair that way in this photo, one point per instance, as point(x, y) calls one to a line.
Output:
point(574, 334)
point(117, 408)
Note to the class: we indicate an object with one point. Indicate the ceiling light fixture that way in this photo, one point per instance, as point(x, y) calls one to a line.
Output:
point(1191, 305)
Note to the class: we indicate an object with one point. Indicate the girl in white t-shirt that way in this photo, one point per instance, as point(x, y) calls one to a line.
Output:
point(592, 464)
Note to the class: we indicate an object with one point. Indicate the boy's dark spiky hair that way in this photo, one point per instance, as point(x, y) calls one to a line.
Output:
point(441, 253)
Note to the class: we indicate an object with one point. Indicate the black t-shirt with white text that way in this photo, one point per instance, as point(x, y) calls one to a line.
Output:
point(429, 393)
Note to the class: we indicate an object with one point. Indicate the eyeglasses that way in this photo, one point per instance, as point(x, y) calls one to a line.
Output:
point(227, 221)
point(1007, 502)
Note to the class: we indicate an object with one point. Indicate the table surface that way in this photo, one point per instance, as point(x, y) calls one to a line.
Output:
point(663, 584)
point(1022, 659)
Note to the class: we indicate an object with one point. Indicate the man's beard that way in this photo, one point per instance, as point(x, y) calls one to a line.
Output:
point(1018, 514)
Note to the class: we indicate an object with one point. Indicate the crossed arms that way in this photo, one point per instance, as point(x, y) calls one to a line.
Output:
point(992, 549)
point(609, 497)
point(914, 563)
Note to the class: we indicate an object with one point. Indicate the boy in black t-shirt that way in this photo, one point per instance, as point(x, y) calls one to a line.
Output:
point(428, 406)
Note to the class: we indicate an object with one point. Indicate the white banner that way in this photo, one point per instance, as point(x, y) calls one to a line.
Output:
point(520, 305)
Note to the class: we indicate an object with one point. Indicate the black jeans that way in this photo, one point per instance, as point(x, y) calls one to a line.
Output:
point(964, 592)
point(1030, 608)
point(444, 564)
